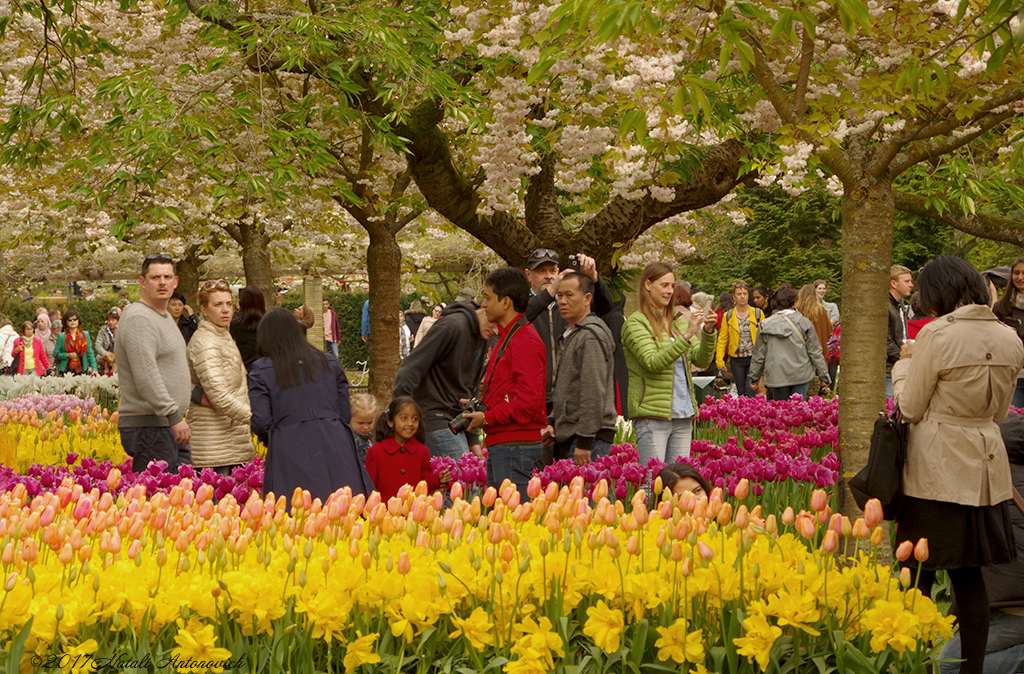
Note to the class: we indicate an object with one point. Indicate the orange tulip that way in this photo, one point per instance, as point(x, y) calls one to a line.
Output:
point(921, 550)
point(904, 550)
point(831, 542)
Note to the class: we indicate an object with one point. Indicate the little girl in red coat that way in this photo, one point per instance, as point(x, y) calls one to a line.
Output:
point(399, 457)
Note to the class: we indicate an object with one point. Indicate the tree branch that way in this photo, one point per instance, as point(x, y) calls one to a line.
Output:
point(923, 151)
point(984, 225)
point(806, 56)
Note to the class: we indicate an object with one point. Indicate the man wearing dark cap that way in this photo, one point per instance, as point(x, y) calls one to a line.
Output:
point(542, 272)
point(1004, 583)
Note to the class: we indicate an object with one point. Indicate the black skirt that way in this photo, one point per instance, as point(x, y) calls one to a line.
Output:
point(958, 535)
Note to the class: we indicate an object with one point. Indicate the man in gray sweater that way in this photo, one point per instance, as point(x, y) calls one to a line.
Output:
point(582, 419)
point(153, 373)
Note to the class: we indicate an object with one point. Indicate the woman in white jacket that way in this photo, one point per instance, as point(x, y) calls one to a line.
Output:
point(219, 414)
point(7, 336)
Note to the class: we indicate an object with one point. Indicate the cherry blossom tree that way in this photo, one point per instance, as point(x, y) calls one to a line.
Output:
point(867, 97)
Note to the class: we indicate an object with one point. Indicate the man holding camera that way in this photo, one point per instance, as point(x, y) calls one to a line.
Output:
point(543, 273)
point(445, 367)
point(513, 386)
point(582, 420)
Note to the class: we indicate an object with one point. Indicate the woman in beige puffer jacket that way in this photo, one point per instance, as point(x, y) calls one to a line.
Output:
point(221, 437)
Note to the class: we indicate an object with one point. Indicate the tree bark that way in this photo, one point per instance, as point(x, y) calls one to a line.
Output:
point(384, 267)
point(867, 211)
point(188, 278)
point(256, 261)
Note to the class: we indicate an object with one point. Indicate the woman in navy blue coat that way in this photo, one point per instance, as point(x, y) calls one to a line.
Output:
point(300, 410)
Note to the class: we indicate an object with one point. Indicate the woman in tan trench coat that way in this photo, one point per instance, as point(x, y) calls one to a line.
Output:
point(221, 437)
point(954, 385)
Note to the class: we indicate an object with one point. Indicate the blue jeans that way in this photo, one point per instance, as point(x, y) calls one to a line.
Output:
point(740, 367)
point(154, 444)
point(662, 438)
point(784, 392)
point(1004, 650)
point(598, 448)
point(1018, 393)
point(443, 442)
point(888, 387)
point(514, 462)
point(333, 348)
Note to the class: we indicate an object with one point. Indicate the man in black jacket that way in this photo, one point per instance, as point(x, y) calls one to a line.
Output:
point(1004, 583)
point(901, 285)
point(446, 366)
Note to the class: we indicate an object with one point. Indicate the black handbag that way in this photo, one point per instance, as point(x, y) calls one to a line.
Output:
point(882, 478)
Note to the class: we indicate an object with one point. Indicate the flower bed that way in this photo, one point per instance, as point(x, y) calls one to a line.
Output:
point(553, 584)
point(46, 429)
point(784, 450)
point(103, 476)
point(103, 390)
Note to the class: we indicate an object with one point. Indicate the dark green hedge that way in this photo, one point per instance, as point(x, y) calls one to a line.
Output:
point(94, 313)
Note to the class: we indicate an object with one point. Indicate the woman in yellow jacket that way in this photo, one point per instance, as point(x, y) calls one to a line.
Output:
point(736, 338)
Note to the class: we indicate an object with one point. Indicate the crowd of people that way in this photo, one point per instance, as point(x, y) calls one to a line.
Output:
point(541, 368)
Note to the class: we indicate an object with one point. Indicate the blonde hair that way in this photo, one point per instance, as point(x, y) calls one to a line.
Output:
point(807, 302)
point(307, 315)
point(657, 318)
point(364, 402)
point(896, 271)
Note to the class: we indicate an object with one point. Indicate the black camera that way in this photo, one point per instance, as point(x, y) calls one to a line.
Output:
point(459, 423)
point(574, 263)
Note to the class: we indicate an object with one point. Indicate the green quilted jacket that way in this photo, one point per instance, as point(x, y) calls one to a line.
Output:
point(651, 364)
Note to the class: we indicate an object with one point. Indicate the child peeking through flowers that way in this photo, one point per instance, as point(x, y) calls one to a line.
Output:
point(399, 457)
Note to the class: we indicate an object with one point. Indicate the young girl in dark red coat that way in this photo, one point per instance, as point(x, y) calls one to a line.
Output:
point(399, 457)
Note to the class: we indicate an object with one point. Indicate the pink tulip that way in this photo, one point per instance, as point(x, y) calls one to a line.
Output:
point(705, 551)
point(742, 489)
point(819, 500)
point(873, 513)
point(904, 550)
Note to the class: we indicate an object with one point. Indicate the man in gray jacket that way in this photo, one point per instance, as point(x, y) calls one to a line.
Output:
point(153, 373)
point(582, 419)
point(787, 350)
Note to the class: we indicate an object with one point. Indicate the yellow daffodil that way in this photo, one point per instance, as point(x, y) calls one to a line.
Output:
point(604, 625)
point(78, 658)
point(892, 626)
point(678, 645)
point(477, 628)
point(197, 649)
point(796, 609)
point(758, 637)
point(361, 652)
point(538, 640)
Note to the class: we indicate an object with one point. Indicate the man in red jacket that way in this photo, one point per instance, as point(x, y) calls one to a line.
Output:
point(513, 386)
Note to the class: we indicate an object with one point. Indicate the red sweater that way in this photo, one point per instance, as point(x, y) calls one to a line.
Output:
point(515, 398)
point(391, 466)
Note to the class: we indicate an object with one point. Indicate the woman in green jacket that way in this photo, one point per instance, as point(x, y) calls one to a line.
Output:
point(659, 352)
point(73, 351)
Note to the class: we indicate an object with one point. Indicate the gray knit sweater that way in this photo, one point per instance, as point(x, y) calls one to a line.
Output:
point(152, 370)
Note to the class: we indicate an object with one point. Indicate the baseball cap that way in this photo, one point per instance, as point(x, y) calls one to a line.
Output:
point(1000, 276)
point(540, 256)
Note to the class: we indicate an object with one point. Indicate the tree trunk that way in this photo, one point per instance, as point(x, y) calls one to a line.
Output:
point(384, 266)
point(256, 261)
point(868, 214)
point(188, 278)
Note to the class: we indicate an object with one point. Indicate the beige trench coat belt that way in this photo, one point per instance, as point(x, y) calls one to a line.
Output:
point(960, 421)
